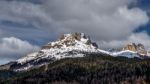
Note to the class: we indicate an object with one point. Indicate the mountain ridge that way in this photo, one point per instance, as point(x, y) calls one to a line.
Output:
point(70, 46)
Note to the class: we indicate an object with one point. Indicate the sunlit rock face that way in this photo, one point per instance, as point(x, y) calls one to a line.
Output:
point(68, 40)
point(139, 48)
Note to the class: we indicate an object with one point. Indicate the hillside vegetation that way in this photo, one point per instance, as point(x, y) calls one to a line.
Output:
point(92, 69)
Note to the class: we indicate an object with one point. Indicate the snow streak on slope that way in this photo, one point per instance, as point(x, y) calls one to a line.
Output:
point(126, 53)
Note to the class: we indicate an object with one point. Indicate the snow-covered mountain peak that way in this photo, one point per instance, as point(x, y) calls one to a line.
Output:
point(68, 45)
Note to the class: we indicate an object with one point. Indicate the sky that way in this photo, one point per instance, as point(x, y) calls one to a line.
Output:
point(26, 25)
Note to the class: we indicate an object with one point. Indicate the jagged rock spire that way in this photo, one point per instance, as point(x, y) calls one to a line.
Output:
point(139, 48)
point(68, 40)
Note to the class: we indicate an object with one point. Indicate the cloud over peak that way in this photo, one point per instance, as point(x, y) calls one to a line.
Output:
point(142, 37)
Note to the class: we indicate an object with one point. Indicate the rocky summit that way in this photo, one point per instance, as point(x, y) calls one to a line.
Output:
point(139, 48)
point(68, 40)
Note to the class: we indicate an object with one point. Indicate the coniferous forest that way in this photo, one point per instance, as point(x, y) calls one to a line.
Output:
point(92, 69)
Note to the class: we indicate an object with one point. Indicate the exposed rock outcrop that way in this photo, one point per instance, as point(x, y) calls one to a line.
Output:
point(70, 40)
point(131, 47)
point(139, 48)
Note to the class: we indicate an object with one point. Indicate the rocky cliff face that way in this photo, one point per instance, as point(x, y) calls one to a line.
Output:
point(68, 40)
point(139, 48)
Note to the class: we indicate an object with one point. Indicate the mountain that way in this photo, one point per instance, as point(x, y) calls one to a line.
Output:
point(132, 50)
point(67, 46)
point(139, 48)
point(70, 46)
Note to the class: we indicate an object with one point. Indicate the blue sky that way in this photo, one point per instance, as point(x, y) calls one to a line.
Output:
point(25, 25)
point(145, 5)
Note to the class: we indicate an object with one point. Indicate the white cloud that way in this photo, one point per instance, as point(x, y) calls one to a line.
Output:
point(88, 16)
point(12, 48)
point(116, 25)
point(103, 20)
point(142, 37)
